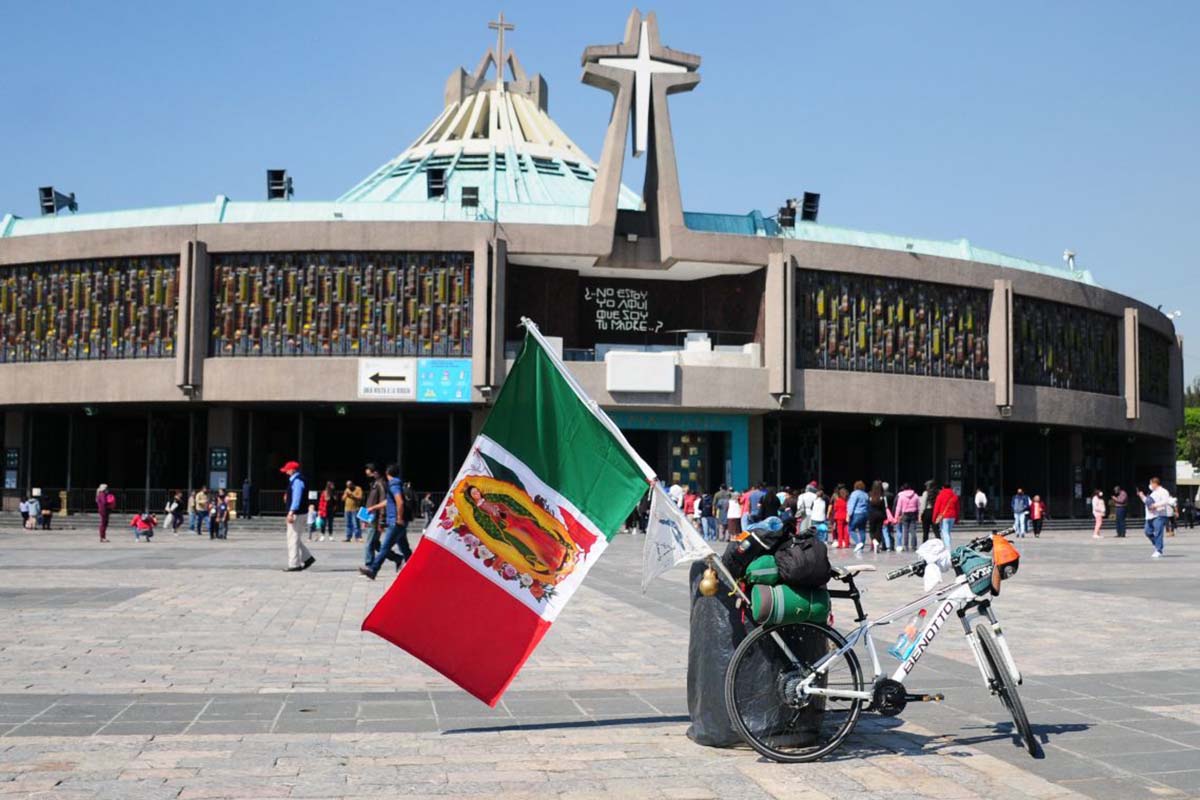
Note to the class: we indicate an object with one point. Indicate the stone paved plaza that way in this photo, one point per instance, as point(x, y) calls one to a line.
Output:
point(188, 668)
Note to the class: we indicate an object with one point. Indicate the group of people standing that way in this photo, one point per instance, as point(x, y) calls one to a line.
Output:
point(847, 517)
point(1162, 512)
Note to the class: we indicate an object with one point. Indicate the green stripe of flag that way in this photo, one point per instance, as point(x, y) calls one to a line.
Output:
point(540, 419)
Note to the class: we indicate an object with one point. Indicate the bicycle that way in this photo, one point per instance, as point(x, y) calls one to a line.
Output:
point(795, 690)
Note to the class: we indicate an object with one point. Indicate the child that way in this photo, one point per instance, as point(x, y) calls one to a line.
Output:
point(1037, 511)
point(143, 525)
point(221, 515)
point(312, 520)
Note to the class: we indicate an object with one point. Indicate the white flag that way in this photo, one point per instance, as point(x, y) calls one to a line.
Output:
point(670, 538)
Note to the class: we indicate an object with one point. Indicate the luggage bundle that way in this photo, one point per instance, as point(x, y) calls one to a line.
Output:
point(789, 584)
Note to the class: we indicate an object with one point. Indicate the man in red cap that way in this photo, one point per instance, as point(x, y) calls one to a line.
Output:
point(299, 559)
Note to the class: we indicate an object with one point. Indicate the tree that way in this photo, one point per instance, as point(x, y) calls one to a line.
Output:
point(1191, 395)
point(1187, 441)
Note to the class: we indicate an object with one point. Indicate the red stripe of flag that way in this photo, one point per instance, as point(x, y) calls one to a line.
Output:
point(473, 632)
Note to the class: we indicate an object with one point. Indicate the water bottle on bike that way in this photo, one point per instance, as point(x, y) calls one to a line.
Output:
point(908, 639)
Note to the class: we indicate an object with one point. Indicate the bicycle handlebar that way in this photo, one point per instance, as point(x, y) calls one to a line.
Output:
point(983, 544)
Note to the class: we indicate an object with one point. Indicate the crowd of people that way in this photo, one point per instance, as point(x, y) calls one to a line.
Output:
point(852, 517)
point(859, 517)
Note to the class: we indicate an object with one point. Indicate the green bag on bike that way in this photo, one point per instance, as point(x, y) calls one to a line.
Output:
point(763, 570)
point(772, 605)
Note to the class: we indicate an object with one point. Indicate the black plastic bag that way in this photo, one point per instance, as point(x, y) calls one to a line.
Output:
point(716, 631)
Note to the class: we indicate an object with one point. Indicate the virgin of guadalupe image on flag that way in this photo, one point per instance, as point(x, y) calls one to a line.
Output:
point(546, 485)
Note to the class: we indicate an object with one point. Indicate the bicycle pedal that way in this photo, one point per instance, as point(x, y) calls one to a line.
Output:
point(924, 698)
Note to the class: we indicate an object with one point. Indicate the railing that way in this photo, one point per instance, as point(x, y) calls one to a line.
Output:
point(652, 343)
point(133, 501)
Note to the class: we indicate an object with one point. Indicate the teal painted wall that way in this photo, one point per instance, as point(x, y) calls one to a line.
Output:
point(736, 425)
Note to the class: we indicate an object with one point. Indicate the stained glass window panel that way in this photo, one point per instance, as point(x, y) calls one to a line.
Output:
point(866, 323)
point(1065, 346)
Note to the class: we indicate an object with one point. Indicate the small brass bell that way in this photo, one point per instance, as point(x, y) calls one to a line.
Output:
point(709, 583)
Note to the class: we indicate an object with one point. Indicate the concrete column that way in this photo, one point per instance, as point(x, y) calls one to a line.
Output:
point(755, 447)
point(497, 300)
point(14, 436)
point(191, 329)
point(1130, 365)
point(775, 344)
point(221, 433)
point(1000, 342)
point(1176, 384)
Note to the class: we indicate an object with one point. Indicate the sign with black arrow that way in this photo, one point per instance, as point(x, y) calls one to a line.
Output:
point(387, 379)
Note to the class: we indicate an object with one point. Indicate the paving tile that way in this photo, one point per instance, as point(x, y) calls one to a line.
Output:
point(1116, 788)
point(420, 725)
point(55, 729)
point(230, 727)
point(1185, 780)
point(161, 712)
point(143, 728)
point(1161, 761)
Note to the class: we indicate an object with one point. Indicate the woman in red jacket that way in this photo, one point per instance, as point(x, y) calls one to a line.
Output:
point(945, 512)
point(840, 522)
point(325, 505)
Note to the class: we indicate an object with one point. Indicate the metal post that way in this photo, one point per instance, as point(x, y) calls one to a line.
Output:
point(149, 435)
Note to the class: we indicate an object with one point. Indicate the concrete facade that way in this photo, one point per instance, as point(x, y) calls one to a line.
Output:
point(654, 243)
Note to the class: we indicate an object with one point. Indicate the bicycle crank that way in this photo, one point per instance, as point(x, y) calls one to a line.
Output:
point(890, 698)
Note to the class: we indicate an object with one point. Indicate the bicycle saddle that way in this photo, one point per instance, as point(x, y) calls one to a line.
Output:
point(850, 570)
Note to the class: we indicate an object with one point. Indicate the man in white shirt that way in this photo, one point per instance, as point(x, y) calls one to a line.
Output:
point(980, 505)
point(804, 506)
point(1158, 508)
point(676, 492)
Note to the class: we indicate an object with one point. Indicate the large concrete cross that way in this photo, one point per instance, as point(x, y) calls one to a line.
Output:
point(641, 74)
point(643, 67)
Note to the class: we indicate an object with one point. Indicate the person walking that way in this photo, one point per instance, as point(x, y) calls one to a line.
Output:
point(980, 505)
point(689, 507)
point(876, 514)
point(201, 509)
point(325, 506)
point(246, 500)
point(376, 505)
point(708, 517)
point(840, 520)
point(945, 512)
point(820, 515)
point(804, 506)
point(352, 498)
point(35, 513)
point(105, 503)
point(427, 508)
point(397, 529)
point(1120, 500)
point(721, 507)
point(1020, 511)
point(676, 492)
point(23, 508)
point(174, 509)
point(191, 511)
point(925, 510)
point(299, 558)
point(908, 506)
point(220, 516)
point(857, 512)
point(1157, 505)
point(1037, 512)
point(1098, 512)
point(733, 517)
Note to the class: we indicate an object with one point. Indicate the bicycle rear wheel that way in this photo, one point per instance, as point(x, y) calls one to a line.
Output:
point(1005, 686)
point(766, 709)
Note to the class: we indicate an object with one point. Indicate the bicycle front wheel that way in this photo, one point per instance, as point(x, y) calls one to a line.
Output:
point(1005, 686)
point(761, 693)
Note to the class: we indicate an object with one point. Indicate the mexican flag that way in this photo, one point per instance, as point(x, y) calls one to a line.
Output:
point(546, 485)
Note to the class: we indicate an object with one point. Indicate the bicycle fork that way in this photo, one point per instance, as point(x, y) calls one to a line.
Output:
point(985, 609)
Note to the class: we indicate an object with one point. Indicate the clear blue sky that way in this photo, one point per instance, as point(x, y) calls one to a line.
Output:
point(1027, 127)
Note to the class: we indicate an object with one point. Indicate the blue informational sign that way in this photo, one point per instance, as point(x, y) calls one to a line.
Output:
point(444, 380)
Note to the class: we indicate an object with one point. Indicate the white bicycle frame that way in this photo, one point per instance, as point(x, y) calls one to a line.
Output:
point(948, 599)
